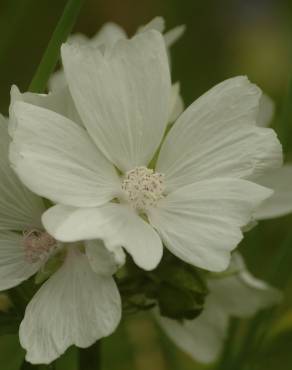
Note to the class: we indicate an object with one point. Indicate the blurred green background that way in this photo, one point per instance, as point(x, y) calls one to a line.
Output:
point(223, 39)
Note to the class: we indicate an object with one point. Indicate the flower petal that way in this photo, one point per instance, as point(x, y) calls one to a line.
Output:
point(217, 137)
point(280, 203)
point(14, 267)
point(56, 159)
point(122, 96)
point(74, 307)
point(157, 23)
point(201, 223)
point(266, 111)
point(176, 103)
point(202, 338)
point(117, 225)
point(240, 294)
point(101, 260)
point(173, 35)
point(108, 35)
point(19, 208)
point(57, 81)
point(59, 101)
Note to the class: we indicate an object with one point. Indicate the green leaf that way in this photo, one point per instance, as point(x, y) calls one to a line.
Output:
point(51, 56)
point(176, 287)
point(178, 304)
point(182, 276)
point(180, 288)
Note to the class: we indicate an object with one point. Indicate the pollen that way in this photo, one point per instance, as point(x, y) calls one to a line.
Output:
point(143, 187)
point(38, 245)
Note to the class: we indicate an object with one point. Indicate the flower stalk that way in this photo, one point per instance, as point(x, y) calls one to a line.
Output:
point(52, 53)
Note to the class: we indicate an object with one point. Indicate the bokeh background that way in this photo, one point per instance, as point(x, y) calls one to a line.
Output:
point(222, 39)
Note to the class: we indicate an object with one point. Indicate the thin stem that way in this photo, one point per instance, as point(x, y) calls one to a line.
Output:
point(228, 353)
point(248, 345)
point(51, 56)
point(90, 358)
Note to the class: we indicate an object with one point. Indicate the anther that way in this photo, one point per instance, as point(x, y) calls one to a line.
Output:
point(38, 245)
point(143, 187)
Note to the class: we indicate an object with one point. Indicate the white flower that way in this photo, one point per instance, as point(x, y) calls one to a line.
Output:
point(76, 305)
point(60, 99)
point(238, 294)
point(194, 200)
point(280, 180)
point(108, 35)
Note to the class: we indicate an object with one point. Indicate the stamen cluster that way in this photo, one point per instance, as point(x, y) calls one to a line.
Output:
point(143, 187)
point(38, 245)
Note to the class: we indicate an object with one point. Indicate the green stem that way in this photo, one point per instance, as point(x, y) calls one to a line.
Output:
point(90, 358)
point(51, 56)
point(247, 347)
point(227, 354)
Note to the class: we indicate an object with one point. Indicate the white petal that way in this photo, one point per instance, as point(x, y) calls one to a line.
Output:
point(59, 101)
point(74, 307)
point(14, 267)
point(240, 294)
point(173, 35)
point(108, 35)
point(102, 261)
point(56, 159)
point(266, 111)
point(57, 81)
point(202, 338)
point(217, 137)
point(157, 23)
point(19, 208)
point(201, 223)
point(176, 103)
point(117, 225)
point(280, 203)
point(122, 96)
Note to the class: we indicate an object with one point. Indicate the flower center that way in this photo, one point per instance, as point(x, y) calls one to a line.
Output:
point(143, 187)
point(38, 245)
